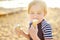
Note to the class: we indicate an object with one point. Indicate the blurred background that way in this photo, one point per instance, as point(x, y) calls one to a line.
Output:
point(14, 13)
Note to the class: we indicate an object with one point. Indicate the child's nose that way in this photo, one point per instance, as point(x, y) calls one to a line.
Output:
point(35, 15)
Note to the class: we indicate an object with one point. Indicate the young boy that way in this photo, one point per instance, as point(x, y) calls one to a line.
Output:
point(37, 10)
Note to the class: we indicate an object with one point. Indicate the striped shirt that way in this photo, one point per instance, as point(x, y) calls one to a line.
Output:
point(45, 31)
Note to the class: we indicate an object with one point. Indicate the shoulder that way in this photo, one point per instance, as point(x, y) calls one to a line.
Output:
point(45, 24)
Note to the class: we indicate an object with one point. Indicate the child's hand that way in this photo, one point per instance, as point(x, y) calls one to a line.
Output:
point(18, 31)
point(33, 32)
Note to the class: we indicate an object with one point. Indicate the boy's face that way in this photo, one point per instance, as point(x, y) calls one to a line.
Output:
point(36, 12)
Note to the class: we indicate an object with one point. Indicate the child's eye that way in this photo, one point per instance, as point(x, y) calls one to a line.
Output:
point(38, 13)
point(31, 13)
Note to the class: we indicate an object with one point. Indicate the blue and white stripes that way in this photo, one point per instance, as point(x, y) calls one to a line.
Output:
point(47, 30)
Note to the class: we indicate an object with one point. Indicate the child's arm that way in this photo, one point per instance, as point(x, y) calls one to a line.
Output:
point(20, 32)
point(48, 32)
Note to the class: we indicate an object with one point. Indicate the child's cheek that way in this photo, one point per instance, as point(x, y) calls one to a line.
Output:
point(31, 18)
point(40, 18)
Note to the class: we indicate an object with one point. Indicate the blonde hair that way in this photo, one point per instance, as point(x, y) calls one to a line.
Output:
point(41, 3)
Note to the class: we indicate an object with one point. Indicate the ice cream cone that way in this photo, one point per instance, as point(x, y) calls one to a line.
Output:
point(34, 23)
